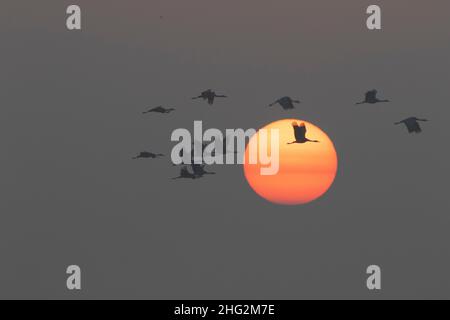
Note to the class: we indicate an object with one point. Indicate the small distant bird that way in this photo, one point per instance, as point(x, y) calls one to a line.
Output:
point(371, 98)
point(286, 103)
point(199, 170)
point(148, 155)
point(412, 124)
point(159, 109)
point(210, 96)
point(300, 133)
point(185, 174)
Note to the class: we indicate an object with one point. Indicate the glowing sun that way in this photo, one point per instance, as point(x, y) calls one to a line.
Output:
point(306, 170)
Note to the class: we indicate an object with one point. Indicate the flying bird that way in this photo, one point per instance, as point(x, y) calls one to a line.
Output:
point(159, 109)
point(286, 103)
point(371, 98)
point(412, 124)
point(148, 155)
point(209, 95)
point(300, 133)
point(185, 174)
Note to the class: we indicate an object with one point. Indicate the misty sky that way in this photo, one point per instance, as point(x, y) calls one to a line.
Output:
point(71, 121)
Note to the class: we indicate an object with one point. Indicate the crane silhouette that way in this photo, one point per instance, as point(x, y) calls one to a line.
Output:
point(210, 96)
point(287, 103)
point(148, 155)
point(159, 109)
point(300, 133)
point(371, 98)
point(412, 124)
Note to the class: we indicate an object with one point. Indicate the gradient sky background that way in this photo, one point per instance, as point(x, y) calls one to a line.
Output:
point(70, 121)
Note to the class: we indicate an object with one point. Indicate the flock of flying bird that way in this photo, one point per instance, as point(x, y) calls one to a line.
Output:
point(198, 170)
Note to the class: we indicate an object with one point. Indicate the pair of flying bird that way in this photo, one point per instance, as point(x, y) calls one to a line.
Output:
point(198, 170)
point(411, 123)
point(208, 95)
point(287, 103)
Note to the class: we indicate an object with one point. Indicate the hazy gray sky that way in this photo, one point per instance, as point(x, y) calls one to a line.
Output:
point(71, 120)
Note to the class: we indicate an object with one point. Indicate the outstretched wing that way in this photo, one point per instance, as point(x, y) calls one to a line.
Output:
point(299, 131)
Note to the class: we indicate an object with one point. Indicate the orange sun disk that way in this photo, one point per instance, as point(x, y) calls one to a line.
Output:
point(306, 171)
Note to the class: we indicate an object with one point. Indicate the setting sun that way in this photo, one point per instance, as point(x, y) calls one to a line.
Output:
point(307, 168)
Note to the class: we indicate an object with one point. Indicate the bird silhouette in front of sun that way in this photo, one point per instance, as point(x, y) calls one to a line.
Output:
point(371, 98)
point(148, 155)
point(210, 96)
point(159, 109)
point(300, 134)
point(287, 103)
point(412, 124)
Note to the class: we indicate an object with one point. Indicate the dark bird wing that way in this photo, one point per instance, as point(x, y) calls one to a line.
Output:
point(413, 125)
point(152, 110)
point(287, 104)
point(299, 131)
point(371, 95)
point(184, 172)
point(198, 169)
point(417, 128)
point(158, 109)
